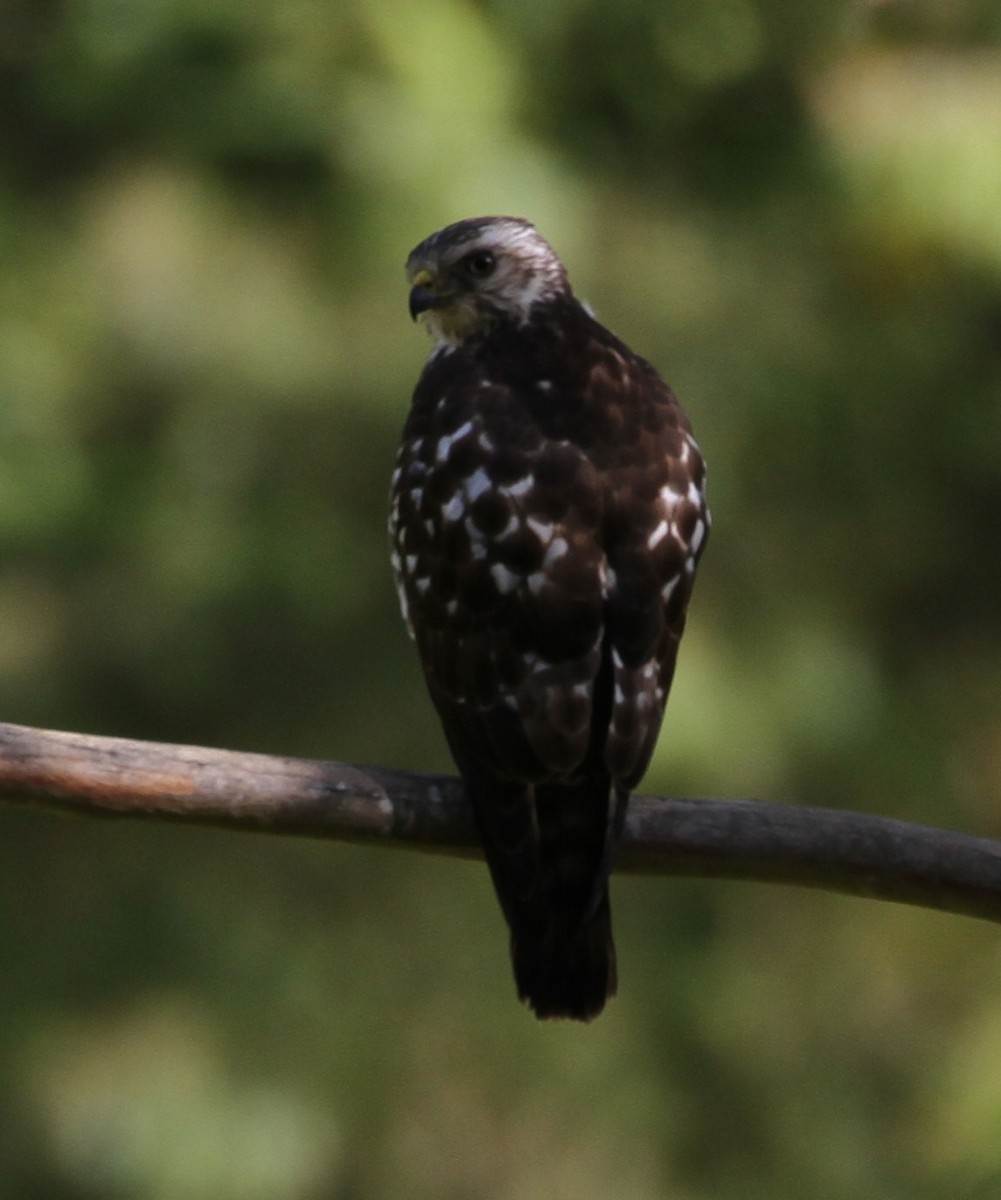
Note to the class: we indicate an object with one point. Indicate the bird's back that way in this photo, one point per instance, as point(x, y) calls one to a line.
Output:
point(548, 514)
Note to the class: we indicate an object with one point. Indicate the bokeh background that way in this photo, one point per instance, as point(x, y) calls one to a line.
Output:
point(205, 362)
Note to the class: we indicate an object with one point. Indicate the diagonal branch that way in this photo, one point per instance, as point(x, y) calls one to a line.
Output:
point(732, 839)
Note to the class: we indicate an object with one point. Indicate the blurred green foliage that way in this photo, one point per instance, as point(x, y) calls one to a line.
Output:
point(205, 363)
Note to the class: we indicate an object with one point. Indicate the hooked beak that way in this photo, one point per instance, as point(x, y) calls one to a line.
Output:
point(422, 295)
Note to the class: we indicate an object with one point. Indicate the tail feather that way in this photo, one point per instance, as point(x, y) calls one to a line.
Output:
point(549, 848)
point(567, 974)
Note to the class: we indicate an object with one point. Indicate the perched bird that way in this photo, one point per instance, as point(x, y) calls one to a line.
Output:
point(547, 515)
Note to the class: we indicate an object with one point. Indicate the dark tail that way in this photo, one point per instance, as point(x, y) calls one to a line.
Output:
point(549, 848)
point(569, 973)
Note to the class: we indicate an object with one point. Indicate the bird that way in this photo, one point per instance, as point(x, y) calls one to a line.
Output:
point(547, 515)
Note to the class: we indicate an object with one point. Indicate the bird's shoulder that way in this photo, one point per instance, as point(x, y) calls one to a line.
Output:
point(563, 373)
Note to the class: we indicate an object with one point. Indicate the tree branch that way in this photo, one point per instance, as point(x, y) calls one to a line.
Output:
point(838, 851)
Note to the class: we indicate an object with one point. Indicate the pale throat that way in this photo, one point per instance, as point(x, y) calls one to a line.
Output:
point(471, 314)
point(455, 322)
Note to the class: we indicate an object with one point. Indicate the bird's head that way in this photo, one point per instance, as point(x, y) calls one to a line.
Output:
point(474, 274)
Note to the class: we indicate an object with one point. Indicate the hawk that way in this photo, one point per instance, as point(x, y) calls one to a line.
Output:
point(547, 515)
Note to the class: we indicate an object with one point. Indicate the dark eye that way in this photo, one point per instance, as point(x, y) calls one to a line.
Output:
point(480, 263)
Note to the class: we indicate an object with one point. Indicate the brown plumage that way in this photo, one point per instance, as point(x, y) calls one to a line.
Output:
point(548, 513)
